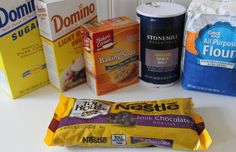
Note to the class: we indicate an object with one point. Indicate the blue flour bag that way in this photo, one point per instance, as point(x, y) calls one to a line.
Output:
point(210, 47)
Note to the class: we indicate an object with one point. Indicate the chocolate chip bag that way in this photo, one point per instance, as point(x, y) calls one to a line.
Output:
point(210, 52)
point(167, 123)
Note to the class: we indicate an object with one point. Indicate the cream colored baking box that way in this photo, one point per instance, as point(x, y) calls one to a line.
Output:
point(59, 23)
point(22, 63)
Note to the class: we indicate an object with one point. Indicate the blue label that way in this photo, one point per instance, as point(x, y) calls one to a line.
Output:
point(214, 67)
point(216, 45)
point(14, 15)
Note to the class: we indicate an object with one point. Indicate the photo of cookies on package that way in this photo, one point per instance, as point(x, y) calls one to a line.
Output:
point(74, 74)
point(124, 73)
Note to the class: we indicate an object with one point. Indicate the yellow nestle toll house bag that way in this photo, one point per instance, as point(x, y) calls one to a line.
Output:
point(87, 122)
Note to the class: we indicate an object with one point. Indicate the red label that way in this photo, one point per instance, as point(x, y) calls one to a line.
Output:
point(86, 39)
point(103, 40)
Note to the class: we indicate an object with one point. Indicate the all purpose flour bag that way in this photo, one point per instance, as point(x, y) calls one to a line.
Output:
point(210, 52)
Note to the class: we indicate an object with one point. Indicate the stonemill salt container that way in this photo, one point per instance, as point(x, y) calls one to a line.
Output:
point(161, 31)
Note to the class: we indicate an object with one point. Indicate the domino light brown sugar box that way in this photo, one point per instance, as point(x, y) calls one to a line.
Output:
point(59, 23)
point(111, 52)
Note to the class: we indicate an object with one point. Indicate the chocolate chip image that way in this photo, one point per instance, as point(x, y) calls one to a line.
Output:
point(112, 120)
point(124, 73)
point(128, 123)
point(132, 122)
point(76, 76)
point(122, 118)
point(118, 117)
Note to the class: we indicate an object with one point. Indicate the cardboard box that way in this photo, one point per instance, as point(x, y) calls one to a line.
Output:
point(22, 63)
point(59, 23)
point(111, 51)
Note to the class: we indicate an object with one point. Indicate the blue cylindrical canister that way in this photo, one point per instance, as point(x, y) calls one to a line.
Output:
point(161, 38)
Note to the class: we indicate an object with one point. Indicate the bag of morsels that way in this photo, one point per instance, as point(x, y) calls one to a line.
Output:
point(87, 122)
point(210, 53)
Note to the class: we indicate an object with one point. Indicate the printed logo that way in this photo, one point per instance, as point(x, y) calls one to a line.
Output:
point(148, 107)
point(87, 109)
point(92, 139)
point(61, 22)
point(103, 40)
point(216, 45)
point(42, 13)
point(14, 18)
point(15, 14)
point(86, 37)
point(153, 141)
point(162, 38)
point(35, 69)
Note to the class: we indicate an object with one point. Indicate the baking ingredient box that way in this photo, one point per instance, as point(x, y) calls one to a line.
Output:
point(22, 63)
point(59, 23)
point(111, 52)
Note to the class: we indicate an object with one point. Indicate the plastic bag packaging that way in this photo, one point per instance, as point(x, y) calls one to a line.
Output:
point(210, 52)
point(167, 123)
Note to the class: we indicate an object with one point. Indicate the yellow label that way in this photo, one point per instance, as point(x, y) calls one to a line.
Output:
point(60, 32)
point(163, 123)
point(65, 60)
point(22, 60)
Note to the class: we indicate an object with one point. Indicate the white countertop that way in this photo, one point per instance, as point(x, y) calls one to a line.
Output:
point(24, 121)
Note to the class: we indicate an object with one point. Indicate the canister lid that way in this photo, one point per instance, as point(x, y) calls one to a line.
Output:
point(161, 9)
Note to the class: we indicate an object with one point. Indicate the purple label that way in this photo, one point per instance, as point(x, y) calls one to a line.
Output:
point(153, 141)
point(171, 121)
point(200, 127)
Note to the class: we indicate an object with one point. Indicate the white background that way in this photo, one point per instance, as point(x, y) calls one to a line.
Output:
point(126, 7)
point(23, 122)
